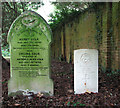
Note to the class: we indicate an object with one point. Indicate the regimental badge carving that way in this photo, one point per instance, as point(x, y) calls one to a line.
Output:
point(85, 58)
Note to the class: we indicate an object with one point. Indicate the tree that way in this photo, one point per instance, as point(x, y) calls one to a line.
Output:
point(65, 10)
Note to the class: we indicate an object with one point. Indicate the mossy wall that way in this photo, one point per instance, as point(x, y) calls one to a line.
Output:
point(94, 29)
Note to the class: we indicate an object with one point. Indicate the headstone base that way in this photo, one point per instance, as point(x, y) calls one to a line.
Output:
point(45, 85)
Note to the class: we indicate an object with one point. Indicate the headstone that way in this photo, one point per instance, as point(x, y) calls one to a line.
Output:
point(85, 71)
point(29, 39)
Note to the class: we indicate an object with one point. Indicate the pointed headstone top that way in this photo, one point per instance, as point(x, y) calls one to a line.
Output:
point(30, 21)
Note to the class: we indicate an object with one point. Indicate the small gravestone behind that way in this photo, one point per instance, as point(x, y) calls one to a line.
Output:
point(29, 40)
point(85, 71)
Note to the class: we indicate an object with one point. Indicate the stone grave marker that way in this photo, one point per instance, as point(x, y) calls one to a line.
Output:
point(29, 39)
point(85, 71)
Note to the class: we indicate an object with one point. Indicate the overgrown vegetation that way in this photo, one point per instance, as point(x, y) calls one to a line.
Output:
point(65, 12)
point(68, 11)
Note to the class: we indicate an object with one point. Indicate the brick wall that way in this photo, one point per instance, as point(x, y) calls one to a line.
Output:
point(91, 30)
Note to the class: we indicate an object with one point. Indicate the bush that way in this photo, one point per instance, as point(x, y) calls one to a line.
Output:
point(5, 51)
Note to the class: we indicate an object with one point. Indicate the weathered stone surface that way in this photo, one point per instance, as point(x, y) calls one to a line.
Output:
point(85, 71)
point(29, 39)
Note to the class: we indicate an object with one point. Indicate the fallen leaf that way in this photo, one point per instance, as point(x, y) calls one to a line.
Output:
point(17, 104)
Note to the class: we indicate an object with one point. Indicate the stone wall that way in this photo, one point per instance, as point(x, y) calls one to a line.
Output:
point(98, 29)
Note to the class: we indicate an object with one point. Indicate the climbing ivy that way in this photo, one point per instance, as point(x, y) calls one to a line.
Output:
point(98, 9)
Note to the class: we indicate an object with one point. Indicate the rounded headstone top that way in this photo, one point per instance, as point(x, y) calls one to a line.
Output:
point(31, 21)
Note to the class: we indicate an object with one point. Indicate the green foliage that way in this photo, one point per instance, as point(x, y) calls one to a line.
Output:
point(113, 73)
point(68, 11)
point(5, 51)
point(65, 12)
point(68, 103)
point(98, 12)
point(34, 5)
point(72, 103)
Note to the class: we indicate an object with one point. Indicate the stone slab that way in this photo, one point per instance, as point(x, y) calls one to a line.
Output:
point(29, 40)
point(85, 71)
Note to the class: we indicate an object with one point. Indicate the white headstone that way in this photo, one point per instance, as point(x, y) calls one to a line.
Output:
point(85, 71)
